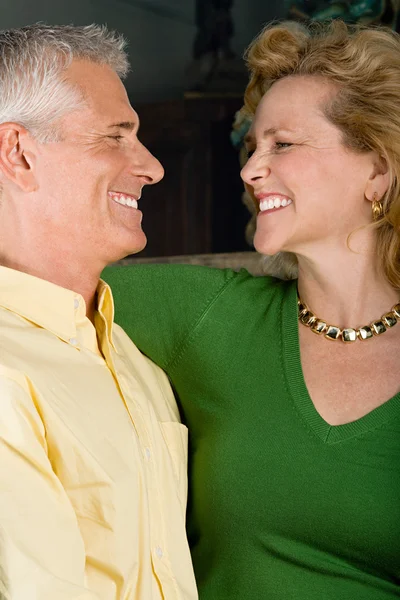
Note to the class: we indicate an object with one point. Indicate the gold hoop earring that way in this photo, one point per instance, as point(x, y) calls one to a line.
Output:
point(377, 208)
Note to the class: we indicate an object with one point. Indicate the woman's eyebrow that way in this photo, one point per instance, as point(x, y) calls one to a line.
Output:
point(249, 137)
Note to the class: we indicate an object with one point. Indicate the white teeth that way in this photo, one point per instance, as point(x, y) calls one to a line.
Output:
point(124, 200)
point(274, 202)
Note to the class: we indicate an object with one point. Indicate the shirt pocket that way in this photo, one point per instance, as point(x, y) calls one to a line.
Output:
point(176, 438)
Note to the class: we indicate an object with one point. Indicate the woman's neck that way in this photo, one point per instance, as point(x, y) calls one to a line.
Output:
point(348, 290)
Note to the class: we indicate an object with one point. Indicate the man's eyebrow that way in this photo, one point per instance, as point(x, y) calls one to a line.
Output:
point(128, 125)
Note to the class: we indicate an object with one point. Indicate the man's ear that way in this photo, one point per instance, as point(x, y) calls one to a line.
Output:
point(17, 156)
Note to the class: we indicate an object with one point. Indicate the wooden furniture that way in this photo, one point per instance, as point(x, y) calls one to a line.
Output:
point(197, 208)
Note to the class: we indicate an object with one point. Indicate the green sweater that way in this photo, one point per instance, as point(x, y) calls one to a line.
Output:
point(282, 505)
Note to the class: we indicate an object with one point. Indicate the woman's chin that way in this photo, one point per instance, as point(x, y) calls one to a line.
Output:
point(267, 246)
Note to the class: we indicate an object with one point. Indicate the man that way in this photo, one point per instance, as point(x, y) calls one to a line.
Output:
point(92, 454)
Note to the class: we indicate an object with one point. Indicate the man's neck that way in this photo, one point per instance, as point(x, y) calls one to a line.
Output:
point(77, 278)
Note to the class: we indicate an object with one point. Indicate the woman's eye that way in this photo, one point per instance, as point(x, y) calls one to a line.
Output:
point(250, 153)
point(118, 138)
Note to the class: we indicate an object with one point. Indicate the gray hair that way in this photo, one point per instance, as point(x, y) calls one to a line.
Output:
point(33, 89)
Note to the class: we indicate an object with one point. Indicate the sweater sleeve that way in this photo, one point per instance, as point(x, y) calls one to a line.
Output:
point(159, 305)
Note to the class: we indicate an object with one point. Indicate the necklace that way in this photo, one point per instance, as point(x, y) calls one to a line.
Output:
point(332, 332)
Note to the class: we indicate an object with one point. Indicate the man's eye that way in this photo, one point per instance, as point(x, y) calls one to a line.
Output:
point(118, 138)
point(250, 153)
point(282, 145)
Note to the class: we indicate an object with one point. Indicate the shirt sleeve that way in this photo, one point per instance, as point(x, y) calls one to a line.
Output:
point(42, 554)
point(159, 305)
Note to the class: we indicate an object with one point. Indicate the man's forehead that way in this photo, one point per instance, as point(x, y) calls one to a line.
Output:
point(104, 94)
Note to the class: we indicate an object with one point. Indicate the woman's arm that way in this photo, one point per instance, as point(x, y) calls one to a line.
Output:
point(159, 305)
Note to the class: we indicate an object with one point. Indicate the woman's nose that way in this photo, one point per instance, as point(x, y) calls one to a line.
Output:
point(255, 169)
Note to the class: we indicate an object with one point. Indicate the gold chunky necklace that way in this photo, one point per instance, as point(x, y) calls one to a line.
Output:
point(332, 332)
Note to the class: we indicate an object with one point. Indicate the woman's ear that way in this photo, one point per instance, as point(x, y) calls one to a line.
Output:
point(379, 180)
point(17, 156)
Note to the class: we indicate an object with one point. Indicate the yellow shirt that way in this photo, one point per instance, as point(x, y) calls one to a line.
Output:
point(93, 458)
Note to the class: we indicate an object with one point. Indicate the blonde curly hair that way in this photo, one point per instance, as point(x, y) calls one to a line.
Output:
point(364, 64)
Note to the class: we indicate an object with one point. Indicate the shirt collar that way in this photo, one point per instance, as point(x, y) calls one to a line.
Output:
point(50, 306)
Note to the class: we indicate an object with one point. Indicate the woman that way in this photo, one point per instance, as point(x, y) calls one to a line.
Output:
point(293, 406)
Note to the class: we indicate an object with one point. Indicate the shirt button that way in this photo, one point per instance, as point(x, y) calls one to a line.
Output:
point(76, 303)
point(148, 453)
point(73, 341)
point(159, 552)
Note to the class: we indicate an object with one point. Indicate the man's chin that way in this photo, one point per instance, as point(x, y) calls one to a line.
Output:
point(129, 250)
point(136, 247)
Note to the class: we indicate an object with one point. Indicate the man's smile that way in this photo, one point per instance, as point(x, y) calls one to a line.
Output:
point(124, 199)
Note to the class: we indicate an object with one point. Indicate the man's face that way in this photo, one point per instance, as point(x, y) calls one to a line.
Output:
point(89, 183)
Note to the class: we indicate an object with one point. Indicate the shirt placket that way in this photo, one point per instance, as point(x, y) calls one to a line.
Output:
point(158, 547)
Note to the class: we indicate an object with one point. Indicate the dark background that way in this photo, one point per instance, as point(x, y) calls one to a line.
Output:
point(197, 208)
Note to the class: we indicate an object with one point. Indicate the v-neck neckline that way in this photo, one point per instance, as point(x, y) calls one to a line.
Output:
point(291, 359)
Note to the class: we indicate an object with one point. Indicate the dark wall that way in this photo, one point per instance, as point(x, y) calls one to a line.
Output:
point(160, 33)
point(251, 15)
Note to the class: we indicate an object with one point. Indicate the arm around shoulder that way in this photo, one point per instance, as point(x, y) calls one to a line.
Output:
point(158, 305)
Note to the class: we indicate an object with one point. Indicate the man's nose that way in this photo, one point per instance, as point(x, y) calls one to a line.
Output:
point(148, 168)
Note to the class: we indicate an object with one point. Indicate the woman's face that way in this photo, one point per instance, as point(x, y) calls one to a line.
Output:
point(310, 189)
